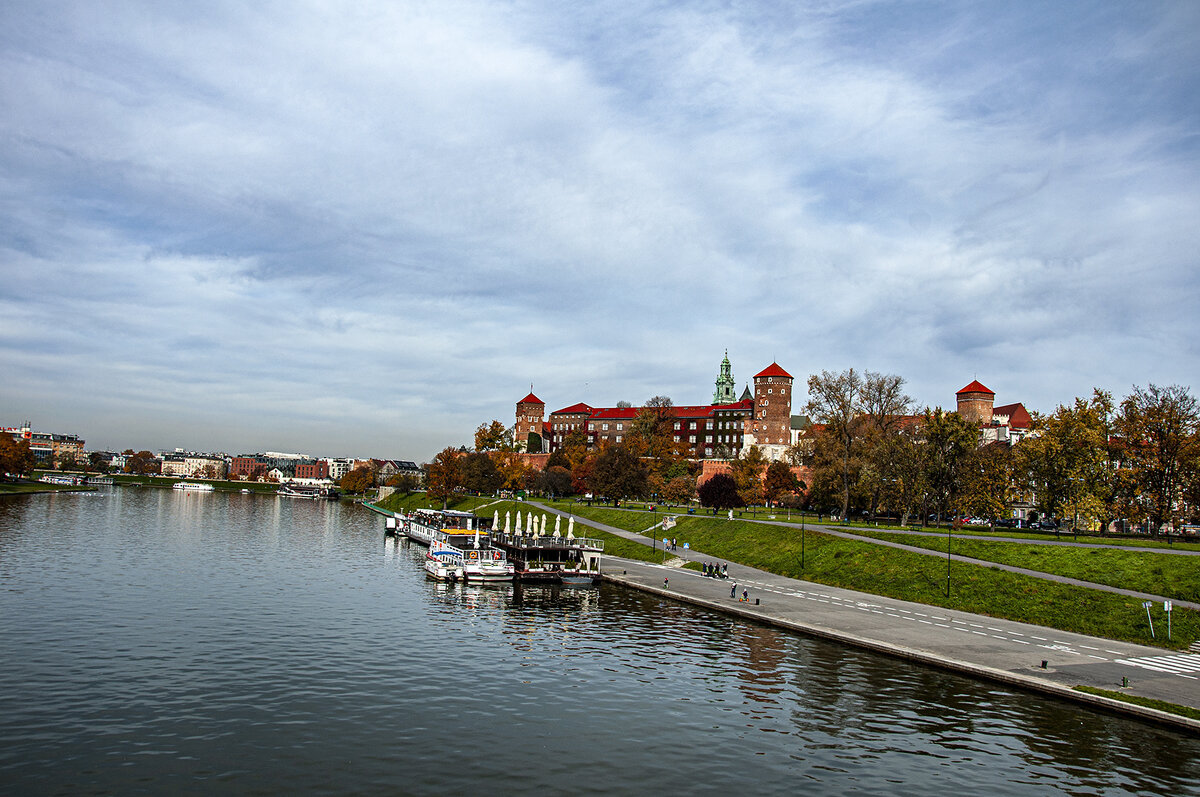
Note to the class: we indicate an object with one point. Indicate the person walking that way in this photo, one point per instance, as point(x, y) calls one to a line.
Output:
point(733, 591)
point(666, 583)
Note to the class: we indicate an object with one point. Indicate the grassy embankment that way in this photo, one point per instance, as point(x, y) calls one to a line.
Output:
point(1160, 705)
point(906, 575)
point(613, 545)
point(1172, 576)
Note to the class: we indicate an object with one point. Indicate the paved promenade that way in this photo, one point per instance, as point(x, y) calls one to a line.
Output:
point(998, 650)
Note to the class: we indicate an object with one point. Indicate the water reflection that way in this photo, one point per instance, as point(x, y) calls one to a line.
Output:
point(252, 643)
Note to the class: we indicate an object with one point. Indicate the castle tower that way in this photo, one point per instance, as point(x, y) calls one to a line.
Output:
point(975, 403)
point(773, 411)
point(530, 412)
point(725, 388)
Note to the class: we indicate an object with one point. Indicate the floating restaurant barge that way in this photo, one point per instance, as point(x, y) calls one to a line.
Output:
point(529, 554)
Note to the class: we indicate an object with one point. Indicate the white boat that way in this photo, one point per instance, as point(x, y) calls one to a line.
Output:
point(308, 491)
point(465, 533)
point(443, 562)
point(196, 487)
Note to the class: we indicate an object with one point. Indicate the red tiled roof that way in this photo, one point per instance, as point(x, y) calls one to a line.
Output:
point(532, 399)
point(1018, 416)
point(773, 370)
point(975, 387)
point(573, 409)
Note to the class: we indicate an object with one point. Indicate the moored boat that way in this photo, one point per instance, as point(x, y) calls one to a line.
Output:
point(443, 562)
point(310, 491)
point(195, 487)
point(465, 533)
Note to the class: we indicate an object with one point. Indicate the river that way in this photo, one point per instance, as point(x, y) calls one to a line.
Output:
point(164, 642)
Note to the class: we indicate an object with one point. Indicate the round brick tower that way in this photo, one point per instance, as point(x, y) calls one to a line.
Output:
point(773, 410)
point(975, 403)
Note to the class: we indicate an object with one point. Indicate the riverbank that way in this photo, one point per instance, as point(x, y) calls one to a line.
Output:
point(1013, 654)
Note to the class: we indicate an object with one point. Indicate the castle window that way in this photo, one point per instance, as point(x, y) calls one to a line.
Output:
point(676, 425)
point(676, 438)
point(606, 427)
point(618, 438)
point(620, 426)
point(692, 439)
point(770, 390)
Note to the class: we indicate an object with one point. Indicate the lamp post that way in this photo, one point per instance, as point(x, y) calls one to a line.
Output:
point(948, 530)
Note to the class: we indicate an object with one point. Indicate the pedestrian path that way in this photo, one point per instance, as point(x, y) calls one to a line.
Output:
point(1021, 655)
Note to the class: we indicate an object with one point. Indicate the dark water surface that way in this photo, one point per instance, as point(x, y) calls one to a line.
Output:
point(160, 642)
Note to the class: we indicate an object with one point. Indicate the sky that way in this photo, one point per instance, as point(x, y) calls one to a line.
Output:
point(364, 229)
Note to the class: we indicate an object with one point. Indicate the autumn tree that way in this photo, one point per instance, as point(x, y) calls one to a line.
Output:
point(884, 410)
point(513, 469)
point(835, 401)
point(720, 492)
point(779, 481)
point(618, 474)
point(357, 480)
point(15, 456)
point(97, 462)
point(404, 482)
point(1159, 427)
point(747, 471)
point(479, 473)
point(493, 437)
point(554, 481)
point(679, 489)
point(443, 476)
point(143, 462)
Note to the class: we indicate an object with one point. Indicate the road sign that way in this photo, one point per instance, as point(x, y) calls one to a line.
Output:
point(1167, 607)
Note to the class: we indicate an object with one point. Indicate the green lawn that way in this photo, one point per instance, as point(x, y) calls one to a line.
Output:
point(874, 569)
point(25, 488)
point(1169, 575)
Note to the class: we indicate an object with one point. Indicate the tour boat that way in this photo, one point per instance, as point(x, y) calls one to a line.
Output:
point(443, 562)
point(198, 487)
point(465, 533)
point(312, 492)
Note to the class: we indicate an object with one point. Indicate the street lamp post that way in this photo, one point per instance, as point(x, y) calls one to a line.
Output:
point(948, 530)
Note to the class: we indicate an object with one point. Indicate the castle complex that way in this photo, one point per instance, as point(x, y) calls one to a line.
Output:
point(719, 430)
point(730, 424)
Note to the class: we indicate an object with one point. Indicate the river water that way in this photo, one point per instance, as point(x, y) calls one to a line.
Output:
point(161, 642)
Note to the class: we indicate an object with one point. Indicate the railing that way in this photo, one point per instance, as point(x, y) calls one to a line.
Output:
point(529, 541)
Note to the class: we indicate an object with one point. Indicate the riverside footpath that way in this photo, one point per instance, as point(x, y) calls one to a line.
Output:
point(1019, 655)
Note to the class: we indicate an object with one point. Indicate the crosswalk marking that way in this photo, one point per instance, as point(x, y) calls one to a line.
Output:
point(1175, 665)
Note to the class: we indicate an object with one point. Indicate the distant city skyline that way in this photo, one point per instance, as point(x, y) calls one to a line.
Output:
point(364, 231)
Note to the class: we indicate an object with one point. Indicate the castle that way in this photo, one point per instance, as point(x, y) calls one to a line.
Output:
point(719, 430)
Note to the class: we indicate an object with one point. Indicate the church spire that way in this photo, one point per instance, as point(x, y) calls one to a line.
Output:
point(725, 384)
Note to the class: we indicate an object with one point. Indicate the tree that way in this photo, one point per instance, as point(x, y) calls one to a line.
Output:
point(143, 462)
point(480, 474)
point(97, 462)
point(404, 482)
point(554, 481)
point(618, 474)
point(747, 471)
point(67, 461)
point(533, 443)
point(779, 481)
point(357, 480)
point(949, 438)
point(720, 492)
point(443, 476)
point(493, 437)
point(987, 482)
point(15, 456)
point(835, 401)
point(679, 489)
point(885, 409)
point(1159, 427)
point(513, 469)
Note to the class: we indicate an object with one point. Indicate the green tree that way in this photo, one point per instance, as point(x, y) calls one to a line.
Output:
point(720, 492)
point(987, 477)
point(1159, 427)
point(885, 409)
point(97, 462)
point(357, 480)
point(533, 443)
point(679, 489)
point(618, 474)
point(949, 439)
point(67, 461)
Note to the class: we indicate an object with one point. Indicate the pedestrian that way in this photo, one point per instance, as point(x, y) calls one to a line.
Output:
point(733, 590)
point(746, 595)
point(725, 569)
point(666, 582)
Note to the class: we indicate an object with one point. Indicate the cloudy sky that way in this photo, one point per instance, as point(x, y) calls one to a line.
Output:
point(365, 228)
